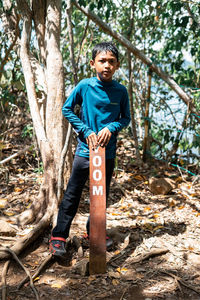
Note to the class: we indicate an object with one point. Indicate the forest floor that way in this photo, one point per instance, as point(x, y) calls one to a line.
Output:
point(156, 252)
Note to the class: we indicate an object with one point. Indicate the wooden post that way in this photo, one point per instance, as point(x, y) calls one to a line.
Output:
point(97, 260)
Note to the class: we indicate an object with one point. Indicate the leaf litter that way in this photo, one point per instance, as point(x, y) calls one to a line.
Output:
point(156, 237)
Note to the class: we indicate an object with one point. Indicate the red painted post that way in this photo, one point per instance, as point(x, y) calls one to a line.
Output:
point(97, 260)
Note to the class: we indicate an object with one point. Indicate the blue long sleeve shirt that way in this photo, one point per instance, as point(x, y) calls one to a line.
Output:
point(103, 104)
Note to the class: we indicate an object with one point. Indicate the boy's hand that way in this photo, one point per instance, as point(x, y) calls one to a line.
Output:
point(92, 140)
point(104, 137)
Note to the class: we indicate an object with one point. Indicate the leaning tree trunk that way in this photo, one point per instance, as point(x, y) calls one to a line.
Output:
point(46, 74)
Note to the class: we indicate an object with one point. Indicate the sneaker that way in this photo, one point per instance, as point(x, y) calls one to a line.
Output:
point(109, 241)
point(57, 246)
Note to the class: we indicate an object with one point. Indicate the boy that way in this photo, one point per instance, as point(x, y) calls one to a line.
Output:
point(104, 112)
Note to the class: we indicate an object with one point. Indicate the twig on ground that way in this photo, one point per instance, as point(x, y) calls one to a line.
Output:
point(4, 272)
point(124, 253)
point(6, 249)
point(122, 296)
point(45, 262)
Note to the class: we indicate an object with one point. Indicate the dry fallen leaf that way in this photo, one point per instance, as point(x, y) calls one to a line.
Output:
point(8, 213)
point(115, 281)
point(155, 216)
point(181, 207)
point(17, 190)
point(172, 203)
point(37, 278)
point(147, 208)
point(122, 270)
point(56, 285)
point(3, 202)
point(138, 177)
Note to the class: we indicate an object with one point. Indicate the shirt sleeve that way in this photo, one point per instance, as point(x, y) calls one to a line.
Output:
point(124, 118)
point(68, 111)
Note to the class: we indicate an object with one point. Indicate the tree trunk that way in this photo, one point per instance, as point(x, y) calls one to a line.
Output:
point(146, 144)
point(130, 85)
point(55, 122)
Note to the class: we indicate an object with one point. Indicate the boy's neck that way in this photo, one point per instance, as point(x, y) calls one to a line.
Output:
point(104, 81)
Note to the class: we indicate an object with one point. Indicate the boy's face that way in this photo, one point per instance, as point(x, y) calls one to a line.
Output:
point(105, 64)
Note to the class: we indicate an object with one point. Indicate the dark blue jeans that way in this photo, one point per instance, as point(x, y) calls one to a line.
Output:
point(72, 195)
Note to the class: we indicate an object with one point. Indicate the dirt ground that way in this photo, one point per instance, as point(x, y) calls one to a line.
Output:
point(156, 237)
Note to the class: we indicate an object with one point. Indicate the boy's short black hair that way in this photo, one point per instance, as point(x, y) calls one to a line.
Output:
point(105, 47)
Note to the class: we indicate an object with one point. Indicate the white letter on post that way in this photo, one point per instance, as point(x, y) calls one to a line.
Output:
point(96, 161)
point(98, 190)
point(97, 175)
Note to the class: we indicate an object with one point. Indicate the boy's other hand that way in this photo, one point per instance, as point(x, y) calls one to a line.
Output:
point(92, 140)
point(104, 137)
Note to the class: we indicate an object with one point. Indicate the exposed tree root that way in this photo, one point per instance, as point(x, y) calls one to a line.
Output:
point(48, 203)
point(41, 267)
point(23, 242)
point(5, 270)
point(23, 267)
point(181, 281)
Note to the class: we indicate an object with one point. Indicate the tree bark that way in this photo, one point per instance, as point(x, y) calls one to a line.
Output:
point(146, 144)
point(39, 16)
point(55, 122)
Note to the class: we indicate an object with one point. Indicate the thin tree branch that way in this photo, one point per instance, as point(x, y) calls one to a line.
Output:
point(82, 41)
point(15, 155)
point(69, 131)
point(30, 85)
point(62, 160)
point(71, 38)
point(4, 60)
point(130, 85)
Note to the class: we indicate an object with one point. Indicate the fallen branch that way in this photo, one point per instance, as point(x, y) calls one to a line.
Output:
point(45, 262)
point(15, 155)
point(145, 256)
point(23, 267)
